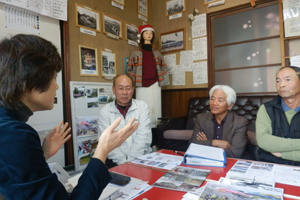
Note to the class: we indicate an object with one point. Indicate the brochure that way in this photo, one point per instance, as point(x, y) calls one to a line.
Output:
point(182, 179)
point(159, 160)
point(252, 171)
point(224, 191)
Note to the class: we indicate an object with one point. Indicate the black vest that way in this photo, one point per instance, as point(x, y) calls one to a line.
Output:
point(280, 128)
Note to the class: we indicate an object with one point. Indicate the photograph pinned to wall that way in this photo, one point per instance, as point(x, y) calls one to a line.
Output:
point(86, 126)
point(102, 99)
point(125, 64)
point(172, 41)
point(143, 7)
point(92, 97)
point(91, 93)
point(121, 2)
point(105, 95)
point(88, 61)
point(91, 103)
point(87, 18)
point(174, 7)
point(132, 33)
point(79, 92)
point(108, 63)
point(112, 26)
point(111, 98)
point(86, 150)
point(210, 1)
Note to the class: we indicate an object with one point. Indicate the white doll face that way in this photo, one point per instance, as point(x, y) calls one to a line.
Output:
point(148, 35)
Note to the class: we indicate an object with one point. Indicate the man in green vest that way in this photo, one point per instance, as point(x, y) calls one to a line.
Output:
point(278, 121)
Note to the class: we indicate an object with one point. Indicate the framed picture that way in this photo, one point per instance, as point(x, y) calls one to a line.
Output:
point(143, 7)
point(108, 67)
point(210, 1)
point(172, 41)
point(132, 33)
point(88, 61)
point(174, 7)
point(112, 26)
point(121, 2)
point(87, 18)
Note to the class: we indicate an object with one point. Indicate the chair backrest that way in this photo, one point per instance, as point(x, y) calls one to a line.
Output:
point(246, 106)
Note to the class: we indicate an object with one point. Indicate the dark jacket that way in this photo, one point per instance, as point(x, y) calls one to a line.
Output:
point(280, 128)
point(234, 132)
point(24, 173)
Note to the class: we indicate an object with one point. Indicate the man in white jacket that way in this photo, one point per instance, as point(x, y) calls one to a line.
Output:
point(125, 107)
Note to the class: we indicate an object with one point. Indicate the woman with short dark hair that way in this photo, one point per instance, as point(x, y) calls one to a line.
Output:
point(28, 69)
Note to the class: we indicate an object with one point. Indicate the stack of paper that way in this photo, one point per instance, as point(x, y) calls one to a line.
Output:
point(203, 155)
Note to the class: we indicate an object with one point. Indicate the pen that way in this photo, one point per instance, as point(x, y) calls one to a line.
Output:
point(179, 153)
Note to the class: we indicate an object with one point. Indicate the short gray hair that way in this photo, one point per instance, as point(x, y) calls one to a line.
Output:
point(230, 93)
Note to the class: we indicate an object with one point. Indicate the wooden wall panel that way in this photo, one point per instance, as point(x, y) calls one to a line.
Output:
point(175, 102)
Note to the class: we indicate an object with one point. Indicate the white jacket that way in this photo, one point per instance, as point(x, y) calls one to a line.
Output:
point(139, 142)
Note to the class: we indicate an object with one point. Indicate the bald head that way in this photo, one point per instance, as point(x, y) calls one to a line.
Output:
point(122, 76)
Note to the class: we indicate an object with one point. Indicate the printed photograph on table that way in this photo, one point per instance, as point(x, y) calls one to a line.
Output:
point(224, 191)
point(108, 64)
point(132, 32)
point(210, 1)
point(88, 61)
point(143, 7)
point(172, 41)
point(87, 18)
point(182, 179)
point(174, 7)
point(121, 2)
point(112, 26)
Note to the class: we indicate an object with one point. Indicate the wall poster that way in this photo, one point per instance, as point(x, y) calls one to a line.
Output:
point(86, 100)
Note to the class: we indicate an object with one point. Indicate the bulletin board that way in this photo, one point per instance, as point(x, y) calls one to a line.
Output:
point(48, 28)
point(87, 98)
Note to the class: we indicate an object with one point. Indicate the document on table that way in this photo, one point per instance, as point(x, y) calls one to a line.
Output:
point(252, 171)
point(265, 172)
point(133, 189)
point(224, 191)
point(159, 160)
point(108, 190)
point(287, 175)
point(253, 184)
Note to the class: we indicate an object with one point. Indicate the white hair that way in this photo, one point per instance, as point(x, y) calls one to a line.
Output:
point(230, 93)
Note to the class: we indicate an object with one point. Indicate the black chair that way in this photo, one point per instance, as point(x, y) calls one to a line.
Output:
point(174, 133)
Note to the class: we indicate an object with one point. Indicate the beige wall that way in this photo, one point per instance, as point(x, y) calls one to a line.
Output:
point(156, 17)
